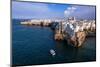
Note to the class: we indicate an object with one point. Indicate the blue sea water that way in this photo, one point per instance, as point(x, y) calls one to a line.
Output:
point(31, 46)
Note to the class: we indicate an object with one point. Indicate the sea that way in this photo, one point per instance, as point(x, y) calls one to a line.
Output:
point(31, 45)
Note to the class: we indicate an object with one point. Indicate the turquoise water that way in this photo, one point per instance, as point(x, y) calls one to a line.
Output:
point(31, 46)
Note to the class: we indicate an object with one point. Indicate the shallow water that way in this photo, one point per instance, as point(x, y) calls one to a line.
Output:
point(31, 46)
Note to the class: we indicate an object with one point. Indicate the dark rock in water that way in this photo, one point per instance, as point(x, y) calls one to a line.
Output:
point(53, 25)
point(91, 34)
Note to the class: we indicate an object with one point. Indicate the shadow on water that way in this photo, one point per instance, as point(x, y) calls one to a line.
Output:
point(81, 54)
point(66, 50)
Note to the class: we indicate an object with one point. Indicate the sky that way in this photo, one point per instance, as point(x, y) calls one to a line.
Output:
point(29, 10)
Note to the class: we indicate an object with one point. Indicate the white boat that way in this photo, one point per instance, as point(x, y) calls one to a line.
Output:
point(52, 52)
